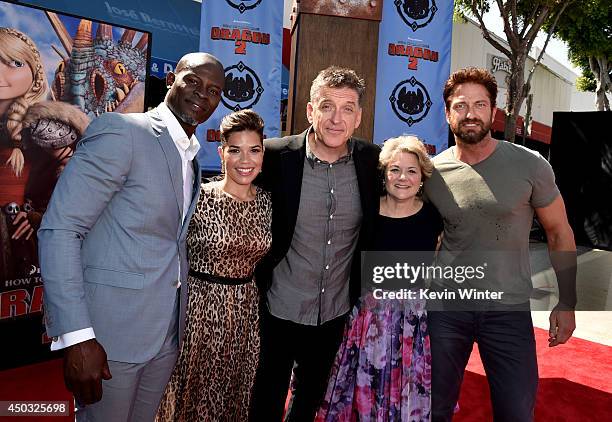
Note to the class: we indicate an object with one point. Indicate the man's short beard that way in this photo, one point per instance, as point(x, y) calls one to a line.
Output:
point(470, 136)
point(182, 116)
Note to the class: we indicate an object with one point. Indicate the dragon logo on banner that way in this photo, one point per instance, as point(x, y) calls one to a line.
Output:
point(243, 87)
point(244, 5)
point(410, 101)
point(416, 13)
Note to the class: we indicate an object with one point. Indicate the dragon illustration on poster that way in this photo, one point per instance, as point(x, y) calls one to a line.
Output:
point(410, 102)
point(98, 73)
point(239, 88)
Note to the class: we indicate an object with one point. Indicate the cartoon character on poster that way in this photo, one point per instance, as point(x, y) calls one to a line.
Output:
point(37, 138)
point(57, 73)
point(100, 73)
point(44, 111)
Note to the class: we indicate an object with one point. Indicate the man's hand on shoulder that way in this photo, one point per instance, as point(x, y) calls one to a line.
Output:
point(85, 366)
point(562, 325)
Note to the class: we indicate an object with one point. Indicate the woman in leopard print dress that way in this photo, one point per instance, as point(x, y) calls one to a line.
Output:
point(228, 234)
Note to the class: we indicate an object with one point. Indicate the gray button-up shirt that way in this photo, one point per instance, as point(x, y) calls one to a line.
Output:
point(311, 284)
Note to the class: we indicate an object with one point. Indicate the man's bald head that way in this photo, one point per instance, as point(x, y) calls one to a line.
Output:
point(192, 60)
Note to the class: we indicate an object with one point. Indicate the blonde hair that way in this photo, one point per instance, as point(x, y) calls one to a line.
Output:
point(15, 45)
point(410, 144)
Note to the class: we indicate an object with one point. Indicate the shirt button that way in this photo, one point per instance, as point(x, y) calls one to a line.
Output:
point(332, 191)
point(329, 242)
point(331, 217)
point(322, 290)
point(327, 267)
point(331, 165)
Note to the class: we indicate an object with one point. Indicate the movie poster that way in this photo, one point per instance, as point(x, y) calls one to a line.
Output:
point(247, 37)
point(57, 73)
point(414, 54)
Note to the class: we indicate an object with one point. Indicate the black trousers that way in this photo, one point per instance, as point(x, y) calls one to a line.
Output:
point(507, 348)
point(309, 351)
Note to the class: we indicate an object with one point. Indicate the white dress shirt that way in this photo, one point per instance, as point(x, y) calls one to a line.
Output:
point(187, 148)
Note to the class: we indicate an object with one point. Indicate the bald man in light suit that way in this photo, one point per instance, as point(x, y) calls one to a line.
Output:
point(112, 247)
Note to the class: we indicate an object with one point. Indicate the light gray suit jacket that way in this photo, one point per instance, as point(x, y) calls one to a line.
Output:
point(112, 236)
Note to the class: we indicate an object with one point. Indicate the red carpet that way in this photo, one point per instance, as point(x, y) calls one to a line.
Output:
point(575, 384)
point(42, 381)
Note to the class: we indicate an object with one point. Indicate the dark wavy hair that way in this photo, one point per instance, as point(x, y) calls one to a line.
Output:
point(240, 121)
point(337, 77)
point(475, 75)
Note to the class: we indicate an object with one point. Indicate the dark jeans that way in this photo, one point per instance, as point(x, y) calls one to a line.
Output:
point(312, 349)
point(507, 348)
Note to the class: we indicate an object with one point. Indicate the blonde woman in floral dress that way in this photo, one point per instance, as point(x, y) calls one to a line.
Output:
point(382, 370)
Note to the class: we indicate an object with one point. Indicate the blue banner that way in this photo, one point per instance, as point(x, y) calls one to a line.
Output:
point(414, 54)
point(247, 37)
point(160, 67)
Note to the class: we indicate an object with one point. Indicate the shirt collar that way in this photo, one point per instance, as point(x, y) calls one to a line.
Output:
point(312, 159)
point(190, 146)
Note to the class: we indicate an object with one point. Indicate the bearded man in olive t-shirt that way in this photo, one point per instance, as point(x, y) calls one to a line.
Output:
point(487, 192)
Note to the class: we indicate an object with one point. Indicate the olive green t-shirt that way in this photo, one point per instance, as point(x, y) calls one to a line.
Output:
point(488, 211)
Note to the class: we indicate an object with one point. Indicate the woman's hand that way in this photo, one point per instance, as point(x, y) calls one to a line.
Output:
point(16, 161)
point(24, 227)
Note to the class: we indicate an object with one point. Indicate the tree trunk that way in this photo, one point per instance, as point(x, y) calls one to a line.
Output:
point(515, 96)
point(599, 67)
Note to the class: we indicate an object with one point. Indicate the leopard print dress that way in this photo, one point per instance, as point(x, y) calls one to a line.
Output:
point(215, 371)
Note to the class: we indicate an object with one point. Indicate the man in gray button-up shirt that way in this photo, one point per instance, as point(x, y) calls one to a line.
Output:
point(324, 194)
point(324, 240)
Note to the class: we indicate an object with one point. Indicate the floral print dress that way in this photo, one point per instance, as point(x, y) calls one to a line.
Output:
point(382, 371)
